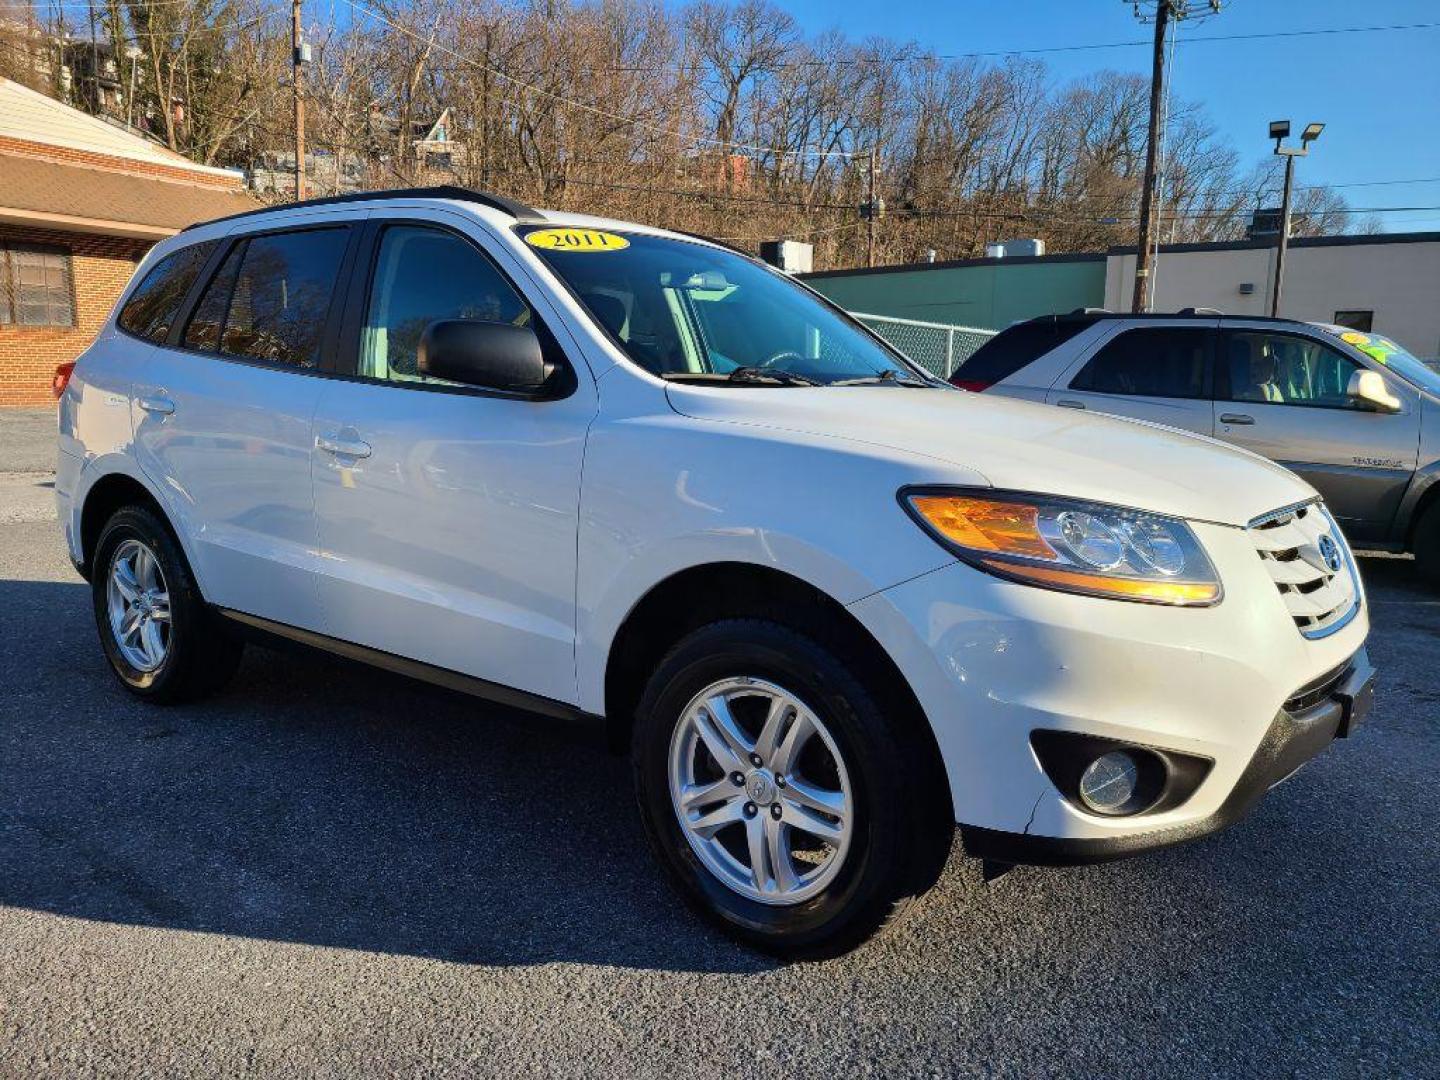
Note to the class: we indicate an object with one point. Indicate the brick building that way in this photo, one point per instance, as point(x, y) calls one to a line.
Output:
point(81, 201)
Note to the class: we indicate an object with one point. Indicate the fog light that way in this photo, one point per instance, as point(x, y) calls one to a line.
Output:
point(1109, 783)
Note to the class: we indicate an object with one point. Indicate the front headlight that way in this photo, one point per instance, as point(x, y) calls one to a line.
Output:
point(1073, 546)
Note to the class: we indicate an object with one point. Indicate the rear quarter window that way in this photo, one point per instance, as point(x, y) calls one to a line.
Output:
point(1017, 347)
point(153, 307)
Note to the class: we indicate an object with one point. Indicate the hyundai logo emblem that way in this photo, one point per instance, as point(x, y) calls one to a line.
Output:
point(1330, 552)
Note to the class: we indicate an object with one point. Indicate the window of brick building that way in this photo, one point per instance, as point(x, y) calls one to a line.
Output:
point(36, 286)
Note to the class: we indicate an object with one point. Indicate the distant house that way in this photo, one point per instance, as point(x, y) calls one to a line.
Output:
point(381, 158)
point(81, 201)
point(432, 146)
point(93, 73)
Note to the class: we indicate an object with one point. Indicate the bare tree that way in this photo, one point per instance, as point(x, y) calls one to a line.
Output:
point(721, 117)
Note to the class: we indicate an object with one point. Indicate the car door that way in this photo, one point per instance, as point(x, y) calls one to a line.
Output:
point(1160, 373)
point(446, 515)
point(225, 412)
point(1283, 395)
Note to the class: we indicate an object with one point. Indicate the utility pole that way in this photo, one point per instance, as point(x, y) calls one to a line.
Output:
point(95, 102)
point(1166, 12)
point(1152, 139)
point(870, 215)
point(300, 53)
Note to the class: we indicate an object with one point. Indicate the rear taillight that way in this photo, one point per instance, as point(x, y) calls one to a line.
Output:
point(62, 378)
point(973, 385)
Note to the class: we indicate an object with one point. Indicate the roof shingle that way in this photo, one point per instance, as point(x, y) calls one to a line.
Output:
point(153, 206)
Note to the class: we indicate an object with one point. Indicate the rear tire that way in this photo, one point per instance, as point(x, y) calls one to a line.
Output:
point(163, 643)
point(888, 843)
point(1427, 544)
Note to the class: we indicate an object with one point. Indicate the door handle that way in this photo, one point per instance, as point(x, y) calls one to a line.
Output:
point(1070, 403)
point(333, 444)
point(1236, 418)
point(161, 406)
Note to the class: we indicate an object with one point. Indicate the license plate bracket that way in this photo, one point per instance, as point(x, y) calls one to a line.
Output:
point(1356, 703)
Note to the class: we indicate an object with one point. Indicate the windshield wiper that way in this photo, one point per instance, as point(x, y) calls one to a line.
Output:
point(751, 376)
point(889, 377)
point(748, 374)
point(744, 376)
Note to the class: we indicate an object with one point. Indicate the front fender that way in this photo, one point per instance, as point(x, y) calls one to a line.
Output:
point(667, 494)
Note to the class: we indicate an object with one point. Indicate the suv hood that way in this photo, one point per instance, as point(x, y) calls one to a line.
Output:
point(1022, 446)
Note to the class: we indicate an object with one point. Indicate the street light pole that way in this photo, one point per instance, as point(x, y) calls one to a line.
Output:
point(1284, 237)
point(1279, 131)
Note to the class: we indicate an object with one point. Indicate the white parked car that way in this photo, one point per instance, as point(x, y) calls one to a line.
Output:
point(830, 606)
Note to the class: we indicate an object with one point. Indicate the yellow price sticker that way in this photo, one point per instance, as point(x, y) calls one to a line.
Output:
point(576, 240)
point(1354, 337)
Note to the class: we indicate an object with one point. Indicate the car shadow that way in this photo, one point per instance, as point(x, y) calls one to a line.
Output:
point(321, 802)
point(324, 803)
point(1394, 577)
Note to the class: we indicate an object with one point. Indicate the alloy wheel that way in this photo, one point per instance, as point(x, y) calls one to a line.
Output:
point(761, 791)
point(138, 605)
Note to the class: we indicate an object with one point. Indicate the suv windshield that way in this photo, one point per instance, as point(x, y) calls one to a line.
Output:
point(689, 311)
point(1414, 371)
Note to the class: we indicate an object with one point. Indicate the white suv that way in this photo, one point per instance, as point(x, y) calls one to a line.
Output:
point(830, 606)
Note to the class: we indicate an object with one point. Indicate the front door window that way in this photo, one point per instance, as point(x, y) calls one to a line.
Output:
point(1285, 369)
point(423, 276)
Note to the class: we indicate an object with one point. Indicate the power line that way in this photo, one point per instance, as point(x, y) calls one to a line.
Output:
point(1253, 190)
point(910, 58)
point(1370, 183)
point(900, 58)
point(102, 10)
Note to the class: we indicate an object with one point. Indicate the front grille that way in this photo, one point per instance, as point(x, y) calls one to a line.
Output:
point(1301, 547)
point(1313, 693)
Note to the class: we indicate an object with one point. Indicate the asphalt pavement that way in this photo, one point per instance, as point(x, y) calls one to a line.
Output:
point(329, 870)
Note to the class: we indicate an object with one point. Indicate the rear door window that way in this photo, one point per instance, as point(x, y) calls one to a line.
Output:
point(271, 298)
point(152, 308)
point(1150, 361)
point(203, 331)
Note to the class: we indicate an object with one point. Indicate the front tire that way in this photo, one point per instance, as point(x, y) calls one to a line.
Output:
point(783, 802)
point(163, 643)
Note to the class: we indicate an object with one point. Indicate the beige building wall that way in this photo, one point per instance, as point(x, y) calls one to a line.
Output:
point(1399, 282)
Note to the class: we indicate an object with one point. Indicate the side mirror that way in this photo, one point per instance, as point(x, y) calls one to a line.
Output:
point(496, 356)
point(1368, 390)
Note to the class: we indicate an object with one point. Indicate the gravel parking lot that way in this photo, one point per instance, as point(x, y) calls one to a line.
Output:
point(329, 870)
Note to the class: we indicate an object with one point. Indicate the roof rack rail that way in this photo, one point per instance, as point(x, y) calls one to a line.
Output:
point(1092, 311)
point(713, 240)
point(1200, 311)
point(517, 210)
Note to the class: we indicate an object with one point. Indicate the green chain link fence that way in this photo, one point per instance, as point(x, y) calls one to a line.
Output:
point(937, 347)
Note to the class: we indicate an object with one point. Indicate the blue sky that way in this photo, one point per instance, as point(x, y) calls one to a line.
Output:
point(1377, 93)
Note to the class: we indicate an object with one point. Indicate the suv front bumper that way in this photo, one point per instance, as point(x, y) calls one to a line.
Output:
point(1292, 739)
point(1235, 686)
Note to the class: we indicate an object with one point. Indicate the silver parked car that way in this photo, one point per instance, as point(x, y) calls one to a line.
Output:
point(1353, 413)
